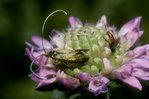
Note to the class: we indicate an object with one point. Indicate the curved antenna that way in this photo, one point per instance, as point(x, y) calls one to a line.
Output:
point(43, 26)
point(31, 69)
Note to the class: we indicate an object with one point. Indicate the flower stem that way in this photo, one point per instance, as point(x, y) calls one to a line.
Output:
point(108, 95)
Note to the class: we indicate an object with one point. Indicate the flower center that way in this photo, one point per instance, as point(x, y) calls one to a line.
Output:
point(99, 42)
point(98, 82)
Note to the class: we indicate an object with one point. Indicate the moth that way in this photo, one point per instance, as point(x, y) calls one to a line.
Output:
point(67, 58)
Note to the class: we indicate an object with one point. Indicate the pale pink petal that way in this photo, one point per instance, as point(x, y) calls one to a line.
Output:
point(84, 77)
point(139, 51)
point(130, 26)
point(102, 23)
point(141, 73)
point(144, 57)
point(132, 81)
point(46, 73)
point(147, 50)
point(70, 83)
point(74, 22)
point(121, 72)
point(44, 84)
point(42, 43)
point(107, 66)
point(42, 61)
point(130, 33)
point(44, 78)
point(126, 77)
point(142, 63)
point(57, 38)
point(33, 55)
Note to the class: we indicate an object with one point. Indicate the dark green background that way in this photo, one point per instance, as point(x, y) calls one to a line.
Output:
point(20, 19)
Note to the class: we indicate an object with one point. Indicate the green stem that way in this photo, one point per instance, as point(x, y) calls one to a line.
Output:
point(108, 95)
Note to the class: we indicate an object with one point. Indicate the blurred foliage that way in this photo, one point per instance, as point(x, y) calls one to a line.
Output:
point(20, 19)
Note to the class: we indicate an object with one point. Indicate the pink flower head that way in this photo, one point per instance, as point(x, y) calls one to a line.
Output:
point(89, 56)
point(98, 84)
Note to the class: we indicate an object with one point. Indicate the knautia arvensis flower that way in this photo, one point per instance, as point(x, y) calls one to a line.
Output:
point(90, 56)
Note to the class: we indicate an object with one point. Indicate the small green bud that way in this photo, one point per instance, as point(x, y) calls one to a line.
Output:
point(94, 69)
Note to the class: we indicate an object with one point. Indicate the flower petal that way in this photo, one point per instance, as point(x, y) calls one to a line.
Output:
point(44, 84)
point(137, 52)
point(70, 83)
point(101, 24)
point(130, 26)
point(140, 63)
point(98, 84)
point(74, 22)
point(107, 66)
point(124, 74)
point(133, 69)
point(57, 38)
point(34, 56)
point(141, 73)
point(147, 50)
point(84, 77)
point(130, 32)
point(132, 81)
point(42, 43)
point(121, 72)
point(30, 46)
point(144, 57)
point(44, 77)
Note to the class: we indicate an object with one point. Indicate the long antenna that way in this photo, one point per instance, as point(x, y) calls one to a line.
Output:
point(31, 69)
point(43, 26)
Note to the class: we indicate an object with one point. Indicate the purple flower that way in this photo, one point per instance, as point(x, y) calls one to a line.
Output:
point(98, 84)
point(135, 63)
point(84, 77)
point(75, 22)
point(34, 52)
point(136, 68)
point(68, 81)
point(44, 76)
point(46, 73)
point(125, 74)
point(62, 59)
point(130, 33)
